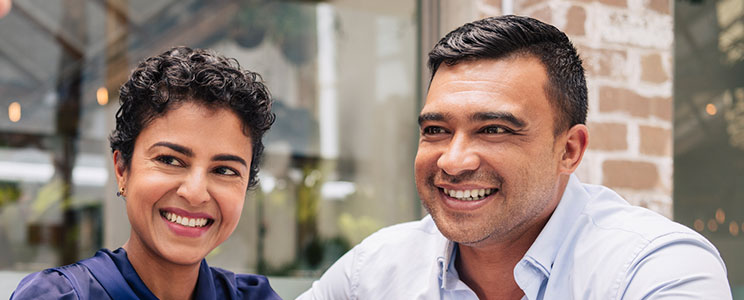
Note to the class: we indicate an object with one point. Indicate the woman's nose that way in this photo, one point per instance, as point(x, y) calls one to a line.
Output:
point(193, 188)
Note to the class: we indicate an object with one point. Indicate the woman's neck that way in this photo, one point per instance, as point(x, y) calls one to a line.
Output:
point(165, 279)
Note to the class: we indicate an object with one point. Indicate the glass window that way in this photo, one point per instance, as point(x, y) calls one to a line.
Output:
point(709, 126)
point(338, 161)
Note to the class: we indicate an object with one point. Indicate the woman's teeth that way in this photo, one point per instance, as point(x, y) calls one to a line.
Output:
point(469, 195)
point(185, 221)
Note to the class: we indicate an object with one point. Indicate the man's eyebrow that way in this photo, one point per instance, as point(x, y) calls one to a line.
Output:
point(430, 117)
point(501, 115)
point(229, 157)
point(175, 147)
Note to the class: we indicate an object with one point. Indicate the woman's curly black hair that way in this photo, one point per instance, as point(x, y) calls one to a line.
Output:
point(183, 75)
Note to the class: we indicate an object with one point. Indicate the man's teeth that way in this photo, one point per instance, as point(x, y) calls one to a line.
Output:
point(185, 221)
point(469, 195)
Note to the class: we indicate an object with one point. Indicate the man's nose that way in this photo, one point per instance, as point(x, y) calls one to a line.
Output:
point(459, 157)
point(193, 188)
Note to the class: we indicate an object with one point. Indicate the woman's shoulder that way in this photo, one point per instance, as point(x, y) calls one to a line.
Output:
point(247, 286)
point(46, 284)
point(55, 283)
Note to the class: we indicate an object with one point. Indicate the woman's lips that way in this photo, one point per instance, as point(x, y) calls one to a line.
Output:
point(186, 223)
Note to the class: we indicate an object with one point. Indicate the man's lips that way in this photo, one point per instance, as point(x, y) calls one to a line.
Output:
point(466, 198)
point(466, 191)
point(474, 194)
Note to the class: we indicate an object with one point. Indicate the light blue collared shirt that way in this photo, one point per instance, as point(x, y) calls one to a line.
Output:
point(595, 246)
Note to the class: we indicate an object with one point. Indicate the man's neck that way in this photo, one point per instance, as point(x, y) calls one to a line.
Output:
point(488, 269)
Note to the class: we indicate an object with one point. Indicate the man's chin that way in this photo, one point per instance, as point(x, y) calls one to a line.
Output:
point(467, 239)
point(460, 230)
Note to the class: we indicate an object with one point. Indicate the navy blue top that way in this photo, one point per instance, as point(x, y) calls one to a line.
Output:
point(212, 283)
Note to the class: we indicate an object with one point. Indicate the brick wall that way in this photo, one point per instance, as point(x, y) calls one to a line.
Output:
point(626, 46)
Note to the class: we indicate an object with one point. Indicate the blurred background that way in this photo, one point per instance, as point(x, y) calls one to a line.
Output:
point(665, 77)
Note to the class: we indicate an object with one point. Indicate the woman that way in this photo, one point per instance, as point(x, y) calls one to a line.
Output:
point(186, 148)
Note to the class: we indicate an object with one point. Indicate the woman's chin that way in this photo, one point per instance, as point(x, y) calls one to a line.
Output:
point(183, 255)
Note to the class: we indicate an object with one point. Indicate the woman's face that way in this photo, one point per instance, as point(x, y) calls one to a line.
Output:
point(186, 182)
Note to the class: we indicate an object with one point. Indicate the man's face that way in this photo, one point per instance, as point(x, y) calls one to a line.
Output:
point(487, 167)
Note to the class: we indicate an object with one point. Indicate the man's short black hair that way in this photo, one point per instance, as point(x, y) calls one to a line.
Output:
point(504, 36)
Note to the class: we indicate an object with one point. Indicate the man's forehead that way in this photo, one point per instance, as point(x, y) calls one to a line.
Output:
point(485, 78)
point(473, 66)
point(510, 89)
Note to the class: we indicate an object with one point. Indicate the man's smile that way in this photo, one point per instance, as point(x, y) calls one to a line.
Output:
point(469, 194)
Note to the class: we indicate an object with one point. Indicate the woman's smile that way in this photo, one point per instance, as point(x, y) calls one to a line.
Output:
point(186, 224)
point(193, 222)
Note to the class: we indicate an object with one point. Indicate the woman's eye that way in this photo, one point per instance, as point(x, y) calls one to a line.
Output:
point(226, 171)
point(433, 130)
point(169, 160)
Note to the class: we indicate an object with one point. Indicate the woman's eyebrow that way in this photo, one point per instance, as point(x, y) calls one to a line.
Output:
point(229, 157)
point(190, 153)
point(175, 147)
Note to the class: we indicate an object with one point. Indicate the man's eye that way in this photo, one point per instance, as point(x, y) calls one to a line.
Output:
point(433, 130)
point(169, 160)
point(226, 171)
point(495, 130)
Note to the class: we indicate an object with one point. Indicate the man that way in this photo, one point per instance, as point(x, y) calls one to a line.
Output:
point(502, 131)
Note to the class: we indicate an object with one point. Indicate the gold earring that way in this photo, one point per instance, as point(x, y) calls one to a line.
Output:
point(120, 192)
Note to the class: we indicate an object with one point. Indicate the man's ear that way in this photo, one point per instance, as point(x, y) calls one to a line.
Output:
point(120, 168)
point(577, 139)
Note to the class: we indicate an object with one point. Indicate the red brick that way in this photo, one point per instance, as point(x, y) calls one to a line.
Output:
point(613, 99)
point(656, 141)
point(543, 14)
point(662, 108)
point(603, 62)
point(630, 174)
point(494, 3)
point(575, 20)
point(489, 8)
point(661, 6)
point(608, 136)
point(527, 3)
point(618, 3)
point(652, 69)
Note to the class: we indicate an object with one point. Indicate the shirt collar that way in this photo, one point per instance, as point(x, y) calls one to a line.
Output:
point(450, 279)
point(543, 251)
point(446, 263)
point(121, 260)
point(205, 286)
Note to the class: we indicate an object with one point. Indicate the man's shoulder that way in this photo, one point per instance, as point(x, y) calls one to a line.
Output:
point(608, 211)
point(615, 231)
point(402, 248)
point(396, 262)
point(421, 232)
point(614, 247)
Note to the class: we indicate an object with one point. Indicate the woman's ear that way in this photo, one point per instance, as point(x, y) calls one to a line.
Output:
point(120, 168)
point(577, 139)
